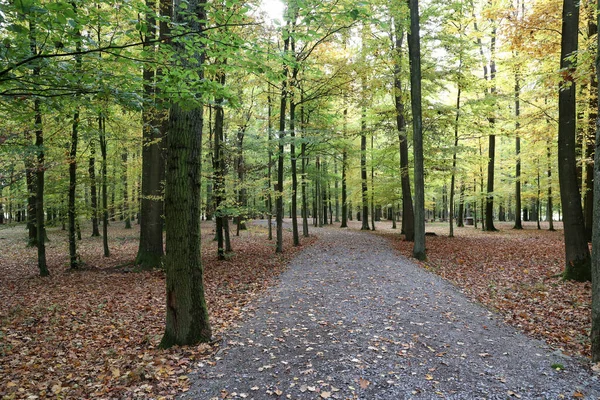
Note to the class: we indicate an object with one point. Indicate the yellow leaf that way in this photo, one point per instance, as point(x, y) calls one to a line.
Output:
point(325, 395)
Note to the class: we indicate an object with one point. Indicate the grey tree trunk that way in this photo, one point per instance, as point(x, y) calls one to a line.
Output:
point(518, 223)
point(187, 315)
point(414, 50)
point(281, 146)
point(549, 208)
point(577, 254)
point(363, 174)
point(93, 190)
point(453, 177)
point(408, 221)
point(595, 262)
point(103, 150)
point(155, 119)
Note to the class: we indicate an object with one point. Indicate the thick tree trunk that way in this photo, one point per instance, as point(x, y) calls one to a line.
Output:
point(414, 50)
point(187, 320)
point(408, 222)
point(595, 333)
point(187, 314)
point(577, 255)
point(155, 121)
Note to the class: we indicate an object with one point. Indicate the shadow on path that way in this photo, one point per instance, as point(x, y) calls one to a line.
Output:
point(352, 319)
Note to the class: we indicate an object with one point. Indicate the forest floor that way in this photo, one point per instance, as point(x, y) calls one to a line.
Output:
point(93, 333)
point(514, 272)
point(351, 319)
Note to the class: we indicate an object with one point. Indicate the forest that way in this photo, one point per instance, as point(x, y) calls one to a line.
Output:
point(190, 143)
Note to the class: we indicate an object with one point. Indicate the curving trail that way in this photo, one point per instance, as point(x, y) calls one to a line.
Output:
point(352, 319)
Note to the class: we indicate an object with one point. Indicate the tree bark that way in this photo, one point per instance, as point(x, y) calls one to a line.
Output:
point(280, 157)
point(155, 119)
point(408, 221)
point(187, 314)
point(453, 177)
point(414, 50)
point(344, 223)
point(595, 260)
point(219, 173)
point(577, 255)
point(518, 223)
point(549, 210)
point(93, 190)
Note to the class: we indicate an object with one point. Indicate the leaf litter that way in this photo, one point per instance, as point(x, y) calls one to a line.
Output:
point(94, 333)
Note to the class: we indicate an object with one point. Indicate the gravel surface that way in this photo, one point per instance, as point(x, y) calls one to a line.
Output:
point(352, 319)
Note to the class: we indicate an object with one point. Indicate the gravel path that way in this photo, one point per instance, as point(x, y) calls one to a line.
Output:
point(352, 319)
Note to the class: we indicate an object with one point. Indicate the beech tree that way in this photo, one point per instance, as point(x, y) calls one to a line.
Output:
point(577, 253)
point(414, 49)
point(187, 315)
point(595, 260)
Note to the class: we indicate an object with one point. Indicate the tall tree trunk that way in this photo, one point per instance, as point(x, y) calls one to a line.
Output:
point(336, 191)
point(414, 50)
point(408, 221)
point(489, 205)
point(373, 217)
point(103, 150)
point(73, 262)
point(363, 173)
point(461, 207)
point(270, 168)
point(219, 173)
point(93, 191)
point(595, 261)
point(155, 121)
point(549, 211)
point(295, 234)
point(40, 167)
point(304, 161)
point(453, 177)
point(187, 315)
point(577, 254)
point(518, 223)
point(344, 223)
point(39, 194)
point(589, 146)
point(126, 206)
point(30, 179)
point(281, 147)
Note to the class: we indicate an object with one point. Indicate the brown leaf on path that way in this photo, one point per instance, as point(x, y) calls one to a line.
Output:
point(363, 383)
